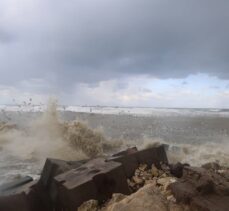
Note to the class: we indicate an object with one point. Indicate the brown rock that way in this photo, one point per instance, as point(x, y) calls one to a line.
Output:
point(147, 199)
point(91, 205)
point(183, 191)
point(210, 203)
point(165, 182)
point(138, 180)
point(177, 170)
point(154, 171)
point(142, 167)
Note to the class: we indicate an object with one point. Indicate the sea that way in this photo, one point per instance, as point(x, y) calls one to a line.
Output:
point(29, 134)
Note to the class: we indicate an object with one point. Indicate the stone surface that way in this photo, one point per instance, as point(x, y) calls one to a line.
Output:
point(210, 203)
point(129, 163)
point(54, 167)
point(91, 205)
point(177, 169)
point(96, 179)
point(202, 189)
point(154, 155)
point(14, 203)
point(147, 198)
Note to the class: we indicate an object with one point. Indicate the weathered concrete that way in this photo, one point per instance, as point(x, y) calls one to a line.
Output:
point(14, 203)
point(96, 179)
point(55, 167)
point(131, 159)
point(66, 185)
point(129, 163)
point(153, 155)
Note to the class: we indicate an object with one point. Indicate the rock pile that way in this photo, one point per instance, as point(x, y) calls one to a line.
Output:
point(150, 188)
point(203, 188)
point(171, 188)
point(104, 184)
point(143, 176)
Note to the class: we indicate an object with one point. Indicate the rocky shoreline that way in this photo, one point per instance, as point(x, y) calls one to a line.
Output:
point(128, 180)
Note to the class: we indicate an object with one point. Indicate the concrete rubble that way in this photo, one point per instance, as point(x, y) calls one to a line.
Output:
point(128, 180)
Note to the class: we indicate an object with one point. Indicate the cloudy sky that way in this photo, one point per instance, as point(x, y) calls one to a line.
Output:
point(115, 52)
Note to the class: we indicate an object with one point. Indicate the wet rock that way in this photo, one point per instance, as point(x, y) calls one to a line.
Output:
point(177, 169)
point(166, 181)
point(91, 205)
point(202, 189)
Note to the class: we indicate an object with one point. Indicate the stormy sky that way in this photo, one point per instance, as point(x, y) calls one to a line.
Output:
point(115, 52)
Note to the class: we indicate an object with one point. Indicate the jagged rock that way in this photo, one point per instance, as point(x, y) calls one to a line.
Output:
point(142, 167)
point(177, 169)
point(147, 198)
point(91, 205)
point(138, 180)
point(166, 181)
point(203, 190)
point(154, 171)
point(116, 197)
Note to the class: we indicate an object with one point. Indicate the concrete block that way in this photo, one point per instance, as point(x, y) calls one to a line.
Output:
point(129, 163)
point(153, 155)
point(96, 179)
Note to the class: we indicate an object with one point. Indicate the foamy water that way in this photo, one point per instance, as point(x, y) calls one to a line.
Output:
point(30, 134)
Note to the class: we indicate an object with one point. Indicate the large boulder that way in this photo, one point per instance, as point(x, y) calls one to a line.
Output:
point(202, 188)
point(147, 198)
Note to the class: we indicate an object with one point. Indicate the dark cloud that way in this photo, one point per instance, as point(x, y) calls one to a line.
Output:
point(72, 41)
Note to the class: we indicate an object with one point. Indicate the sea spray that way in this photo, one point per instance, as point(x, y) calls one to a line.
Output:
point(47, 136)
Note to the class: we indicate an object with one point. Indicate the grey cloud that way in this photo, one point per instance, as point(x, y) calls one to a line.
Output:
point(88, 41)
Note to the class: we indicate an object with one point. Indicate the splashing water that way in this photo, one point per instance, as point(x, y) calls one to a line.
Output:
point(46, 136)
